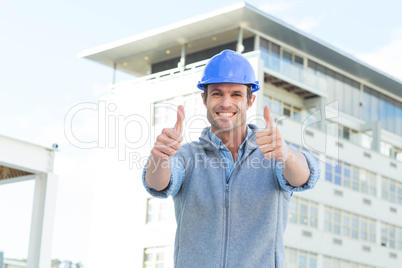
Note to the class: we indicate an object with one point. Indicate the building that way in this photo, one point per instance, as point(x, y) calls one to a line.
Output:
point(345, 112)
point(22, 161)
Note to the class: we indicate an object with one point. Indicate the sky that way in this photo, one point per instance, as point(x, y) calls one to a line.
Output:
point(41, 79)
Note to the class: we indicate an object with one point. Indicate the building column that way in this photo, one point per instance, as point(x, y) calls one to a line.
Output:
point(375, 128)
point(182, 62)
point(239, 46)
point(257, 42)
point(44, 204)
point(114, 74)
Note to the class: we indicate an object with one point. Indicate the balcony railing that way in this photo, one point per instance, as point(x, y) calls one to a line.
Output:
point(190, 69)
point(296, 75)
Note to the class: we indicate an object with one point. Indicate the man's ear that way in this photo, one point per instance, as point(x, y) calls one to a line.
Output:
point(203, 100)
point(251, 101)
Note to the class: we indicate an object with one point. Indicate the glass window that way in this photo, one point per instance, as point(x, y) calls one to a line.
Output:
point(293, 211)
point(286, 62)
point(298, 61)
point(157, 210)
point(355, 179)
point(391, 190)
point(267, 101)
point(346, 175)
point(287, 56)
point(303, 212)
point(297, 114)
point(372, 231)
point(346, 222)
point(291, 258)
point(328, 219)
point(346, 133)
point(350, 225)
point(337, 221)
point(154, 257)
point(398, 117)
point(391, 236)
point(338, 174)
point(400, 193)
point(399, 238)
point(276, 106)
point(355, 227)
point(363, 229)
point(296, 258)
point(274, 56)
point(313, 215)
point(287, 109)
point(328, 169)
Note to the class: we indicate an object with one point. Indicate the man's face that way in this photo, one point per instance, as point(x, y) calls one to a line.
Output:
point(226, 106)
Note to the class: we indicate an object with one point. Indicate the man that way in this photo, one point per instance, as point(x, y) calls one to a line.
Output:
point(232, 188)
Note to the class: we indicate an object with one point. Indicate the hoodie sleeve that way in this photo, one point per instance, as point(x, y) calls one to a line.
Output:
point(176, 179)
point(314, 175)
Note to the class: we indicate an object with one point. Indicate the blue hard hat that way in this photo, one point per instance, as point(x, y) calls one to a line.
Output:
point(229, 67)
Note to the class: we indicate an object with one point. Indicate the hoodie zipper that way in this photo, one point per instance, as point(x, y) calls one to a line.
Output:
point(226, 223)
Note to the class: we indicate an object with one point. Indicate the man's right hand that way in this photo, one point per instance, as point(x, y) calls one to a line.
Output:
point(168, 142)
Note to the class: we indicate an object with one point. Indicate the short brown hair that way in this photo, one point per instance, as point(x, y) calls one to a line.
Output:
point(249, 93)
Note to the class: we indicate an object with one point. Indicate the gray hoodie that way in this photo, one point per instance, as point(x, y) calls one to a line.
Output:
point(239, 223)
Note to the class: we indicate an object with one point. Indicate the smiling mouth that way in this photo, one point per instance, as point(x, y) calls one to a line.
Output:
point(227, 115)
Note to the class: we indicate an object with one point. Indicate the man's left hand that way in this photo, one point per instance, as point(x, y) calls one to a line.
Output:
point(270, 141)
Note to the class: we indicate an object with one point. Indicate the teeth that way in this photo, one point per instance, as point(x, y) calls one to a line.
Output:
point(226, 114)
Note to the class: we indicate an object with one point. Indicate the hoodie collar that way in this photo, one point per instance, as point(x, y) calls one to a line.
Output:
point(211, 142)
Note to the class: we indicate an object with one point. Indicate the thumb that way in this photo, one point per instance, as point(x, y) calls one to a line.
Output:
point(267, 117)
point(180, 118)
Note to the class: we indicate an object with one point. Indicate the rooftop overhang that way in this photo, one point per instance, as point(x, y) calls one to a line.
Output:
point(134, 54)
point(21, 160)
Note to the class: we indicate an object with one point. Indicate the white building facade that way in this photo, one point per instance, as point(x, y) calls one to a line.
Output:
point(344, 112)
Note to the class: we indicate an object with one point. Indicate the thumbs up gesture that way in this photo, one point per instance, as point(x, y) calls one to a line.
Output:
point(168, 142)
point(270, 141)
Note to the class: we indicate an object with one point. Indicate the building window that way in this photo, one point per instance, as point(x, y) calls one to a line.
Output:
point(380, 107)
point(271, 54)
point(157, 210)
point(303, 212)
point(390, 150)
point(391, 190)
point(349, 224)
point(278, 107)
point(330, 262)
point(349, 176)
point(155, 257)
point(391, 236)
point(296, 258)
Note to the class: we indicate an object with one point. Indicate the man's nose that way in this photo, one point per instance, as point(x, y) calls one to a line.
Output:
point(227, 101)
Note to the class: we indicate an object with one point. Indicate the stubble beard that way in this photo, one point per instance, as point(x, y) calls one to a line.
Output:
point(229, 126)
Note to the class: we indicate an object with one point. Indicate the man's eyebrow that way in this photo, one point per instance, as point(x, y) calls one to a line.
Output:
point(215, 89)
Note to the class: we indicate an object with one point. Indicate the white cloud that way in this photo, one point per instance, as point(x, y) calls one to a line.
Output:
point(387, 58)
